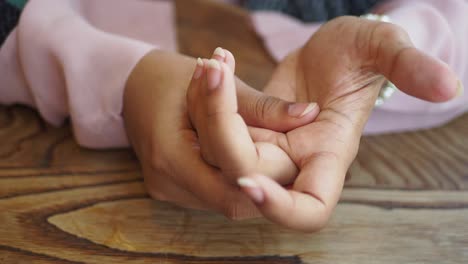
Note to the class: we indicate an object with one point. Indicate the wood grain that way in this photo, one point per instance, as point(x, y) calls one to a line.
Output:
point(431, 159)
point(405, 201)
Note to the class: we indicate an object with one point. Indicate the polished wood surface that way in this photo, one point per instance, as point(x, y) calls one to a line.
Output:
point(405, 201)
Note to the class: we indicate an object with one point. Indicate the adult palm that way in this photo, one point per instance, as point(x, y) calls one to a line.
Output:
point(341, 68)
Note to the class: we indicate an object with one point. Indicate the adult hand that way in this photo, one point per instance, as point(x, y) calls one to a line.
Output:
point(160, 131)
point(341, 69)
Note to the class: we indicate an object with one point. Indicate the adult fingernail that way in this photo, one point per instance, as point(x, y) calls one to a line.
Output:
point(214, 74)
point(252, 189)
point(301, 109)
point(219, 54)
point(460, 89)
point(198, 69)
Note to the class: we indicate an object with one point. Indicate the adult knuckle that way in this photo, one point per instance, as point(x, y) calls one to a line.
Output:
point(259, 110)
point(265, 105)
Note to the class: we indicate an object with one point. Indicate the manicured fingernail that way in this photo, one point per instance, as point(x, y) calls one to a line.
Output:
point(301, 109)
point(214, 74)
point(460, 89)
point(252, 189)
point(219, 52)
point(198, 69)
point(214, 64)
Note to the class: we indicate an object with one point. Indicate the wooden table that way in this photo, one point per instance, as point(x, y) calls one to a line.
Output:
point(405, 201)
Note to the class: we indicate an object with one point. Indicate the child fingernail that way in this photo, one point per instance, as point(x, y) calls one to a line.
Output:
point(460, 89)
point(252, 189)
point(214, 74)
point(219, 54)
point(301, 109)
point(198, 69)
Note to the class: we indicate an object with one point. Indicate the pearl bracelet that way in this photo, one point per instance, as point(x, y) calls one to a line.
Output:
point(388, 88)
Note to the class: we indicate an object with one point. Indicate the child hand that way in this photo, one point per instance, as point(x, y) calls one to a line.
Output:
point(224, 137)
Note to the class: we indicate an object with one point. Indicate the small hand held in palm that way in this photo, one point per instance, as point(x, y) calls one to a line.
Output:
point(342, 68)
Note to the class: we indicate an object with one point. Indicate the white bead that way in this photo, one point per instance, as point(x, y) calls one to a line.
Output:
point(388, 88)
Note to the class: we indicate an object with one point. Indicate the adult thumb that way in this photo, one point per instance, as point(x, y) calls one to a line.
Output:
point(411, 70)
point(261, 110)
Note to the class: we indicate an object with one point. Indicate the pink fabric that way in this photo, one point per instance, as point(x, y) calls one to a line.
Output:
point(73, 57)
point(440, 28)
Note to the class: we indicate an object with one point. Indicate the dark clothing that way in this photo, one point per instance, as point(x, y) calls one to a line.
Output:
point(314, 10)
point(9, 16)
